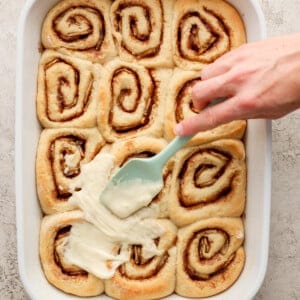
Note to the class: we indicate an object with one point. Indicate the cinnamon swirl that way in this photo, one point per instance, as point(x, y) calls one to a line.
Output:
point(179, 106)
point(67, 93)
point(142, 31)
point(59, 157)
point(54, 233)
point(142, 278)
point(80, 28)
point(210, 256)
point(131, 101)
point(203, 31)
point(208, 181)
point(145, 147)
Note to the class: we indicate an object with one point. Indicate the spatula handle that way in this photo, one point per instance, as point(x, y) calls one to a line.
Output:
point(176, 144)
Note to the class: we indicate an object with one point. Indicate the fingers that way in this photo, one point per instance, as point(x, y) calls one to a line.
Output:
point(210, 118)
point(221, 79)
point(217, 79)
point(225, 63)
point(205, 91)
point(215, 69)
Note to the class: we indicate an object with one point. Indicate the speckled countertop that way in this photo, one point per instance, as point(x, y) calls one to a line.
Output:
point(282, 279)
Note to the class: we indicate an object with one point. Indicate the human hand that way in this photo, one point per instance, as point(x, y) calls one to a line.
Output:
point(259, 80)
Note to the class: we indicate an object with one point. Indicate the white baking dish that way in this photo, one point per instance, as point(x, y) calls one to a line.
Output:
point(258, 142)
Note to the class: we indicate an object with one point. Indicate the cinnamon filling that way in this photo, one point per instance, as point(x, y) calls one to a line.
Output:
point(121, 101)
point(66, 269)
point(121, 98)
point(185, 92)
point(205, 174)
point(139, 268)
point(137, 257)
point(194, 43)
point(143, 154)
point(208, 254)
point(60, 150)
point(80, 26)
point(142, 37)
point(67, 105)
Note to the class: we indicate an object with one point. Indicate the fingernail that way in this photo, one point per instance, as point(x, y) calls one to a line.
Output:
point(178, 129)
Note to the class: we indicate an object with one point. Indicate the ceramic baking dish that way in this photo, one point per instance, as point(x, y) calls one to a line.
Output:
point(258, 143)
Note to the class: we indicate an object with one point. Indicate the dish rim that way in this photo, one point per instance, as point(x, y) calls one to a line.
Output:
point(19, 166)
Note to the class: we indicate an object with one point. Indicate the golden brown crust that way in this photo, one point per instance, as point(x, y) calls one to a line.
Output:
point(210, 256)
point(203, 31)
point(208, 181)
point(179, 106)
point(141, 279)
point(145, 147)
point(142, 31)
point(59, 157)
point(80, 28)
point(131, 101)
point(70, 279)
point(67, 94)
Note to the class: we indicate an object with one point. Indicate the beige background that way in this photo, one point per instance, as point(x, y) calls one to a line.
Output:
point(282, 279)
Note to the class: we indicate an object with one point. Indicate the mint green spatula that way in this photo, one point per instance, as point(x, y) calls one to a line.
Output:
point(138, 181)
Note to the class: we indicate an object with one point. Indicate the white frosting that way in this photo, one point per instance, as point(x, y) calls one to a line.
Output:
point(136, 194)
point(89, 248)
point(71, 161)
point(101, 245)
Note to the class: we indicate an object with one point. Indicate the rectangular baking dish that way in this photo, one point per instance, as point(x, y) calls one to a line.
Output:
point(258, 144)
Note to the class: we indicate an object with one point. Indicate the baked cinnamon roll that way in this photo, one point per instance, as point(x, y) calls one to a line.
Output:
point(131, 101)
point(67, 94)
point(210, 256)
point(60, 154)
point(142, 278)
point(203, 31)
point(179, 106)
point(143, 147)
point(54, 233)
point(142, 31)
point(208, 181)
point(80, 28)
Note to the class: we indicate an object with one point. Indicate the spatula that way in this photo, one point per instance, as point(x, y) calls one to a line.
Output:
point(119, 195)
point(140, 179)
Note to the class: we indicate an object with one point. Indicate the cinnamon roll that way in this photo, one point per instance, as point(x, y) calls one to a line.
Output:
point(142, 278)
point(67, 93)
point(143, 147)
point(60, 154)
point(80, 28)
point(208, 181)
point(54, 233)
point(142, 31)
point(179, 106)
point(131, 101)
point(210, 256)
point(203, 31)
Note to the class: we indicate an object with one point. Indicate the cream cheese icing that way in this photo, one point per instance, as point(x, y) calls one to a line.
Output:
point(136, 194)
point(100, 245)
